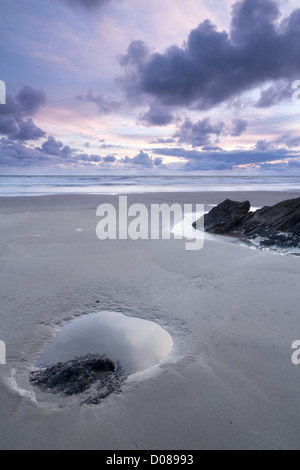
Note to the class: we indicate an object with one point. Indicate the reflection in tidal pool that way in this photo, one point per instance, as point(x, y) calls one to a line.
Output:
point(136, 344)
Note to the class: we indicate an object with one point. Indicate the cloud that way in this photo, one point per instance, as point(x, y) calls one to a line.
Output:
point(25, 103)
point(87, 5)
point(156, 116)
point(109, 159)
point(8, 126)
point(204, 133)
point(16, 155)
point(84, 157)
point(263, 145)
point(27, 130)
point(238, 127)
point(107, 146)
point(286, 140)
point(171, 140)
point(214, 67)
point(221, 159)
point(57, 149)
point(51, 154)
point(104, 105)
point(274, 94)
point(143, 160)
point(52, 146)
point(30, 100)
point(288, 167)
point(133, 62)
point(15, 117)
point(137, 54)
point(200, 133)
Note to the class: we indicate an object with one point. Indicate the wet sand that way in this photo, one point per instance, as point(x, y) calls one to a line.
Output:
point(229, 382)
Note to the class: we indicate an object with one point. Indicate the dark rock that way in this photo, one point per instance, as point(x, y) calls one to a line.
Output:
point(281, 218)
point(278, 226)
point(226, 216)
point(78, 376)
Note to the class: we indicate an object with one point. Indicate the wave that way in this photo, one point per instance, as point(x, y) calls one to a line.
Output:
point(124, 184)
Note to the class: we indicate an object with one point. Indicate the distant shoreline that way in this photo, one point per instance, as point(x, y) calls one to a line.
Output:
point(74, 201)
point(13, 186)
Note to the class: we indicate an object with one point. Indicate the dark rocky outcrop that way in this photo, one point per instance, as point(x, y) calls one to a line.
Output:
point(225, 217)
point(277, 226)
point(78, 376)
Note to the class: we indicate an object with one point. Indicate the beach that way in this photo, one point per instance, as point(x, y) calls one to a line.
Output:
point(232, 311)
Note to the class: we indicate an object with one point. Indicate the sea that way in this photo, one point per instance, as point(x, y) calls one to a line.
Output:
point(13, 186)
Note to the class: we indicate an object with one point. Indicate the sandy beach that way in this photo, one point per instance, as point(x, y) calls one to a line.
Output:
point(232, 311)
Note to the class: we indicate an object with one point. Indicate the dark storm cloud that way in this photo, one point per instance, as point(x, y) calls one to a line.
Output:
point(104, 105)
point(213, 67)
point(15, 117)
point(88, 5)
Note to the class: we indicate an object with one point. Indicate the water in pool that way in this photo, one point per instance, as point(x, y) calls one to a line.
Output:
point(134, 343)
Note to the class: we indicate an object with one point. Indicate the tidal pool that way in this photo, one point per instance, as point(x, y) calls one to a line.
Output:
point(133, 343)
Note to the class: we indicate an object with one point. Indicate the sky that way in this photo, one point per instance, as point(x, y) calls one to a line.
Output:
point(150, 87)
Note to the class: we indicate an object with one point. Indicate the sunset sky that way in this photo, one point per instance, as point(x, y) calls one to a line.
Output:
point(149, 87)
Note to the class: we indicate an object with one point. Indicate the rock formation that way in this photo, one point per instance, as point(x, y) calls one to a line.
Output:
point(225, 217)
point(277, 226)
point(78, 376)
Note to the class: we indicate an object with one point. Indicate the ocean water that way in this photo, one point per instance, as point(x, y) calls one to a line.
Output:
point(46, 185)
